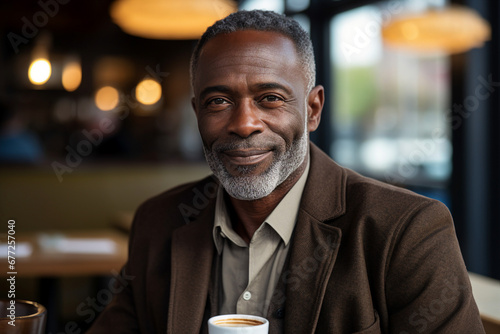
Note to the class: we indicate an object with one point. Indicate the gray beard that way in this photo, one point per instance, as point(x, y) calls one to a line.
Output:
point(259, 186)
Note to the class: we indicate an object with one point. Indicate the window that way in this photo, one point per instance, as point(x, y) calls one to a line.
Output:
point(389, 115)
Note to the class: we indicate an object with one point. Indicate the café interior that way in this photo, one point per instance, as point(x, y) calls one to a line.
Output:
point(96, 117)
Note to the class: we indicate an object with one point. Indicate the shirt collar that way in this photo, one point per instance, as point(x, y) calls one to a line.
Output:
point(282, 219)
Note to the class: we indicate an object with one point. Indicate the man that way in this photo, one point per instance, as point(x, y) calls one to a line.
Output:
point(280, 230)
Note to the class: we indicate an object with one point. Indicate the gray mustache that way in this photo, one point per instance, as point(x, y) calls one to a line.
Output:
point(242, 144)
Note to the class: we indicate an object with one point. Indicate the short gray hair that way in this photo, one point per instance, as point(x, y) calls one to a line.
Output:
point(262, 21)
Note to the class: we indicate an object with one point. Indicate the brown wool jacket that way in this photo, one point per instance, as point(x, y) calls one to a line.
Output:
point(365, 258)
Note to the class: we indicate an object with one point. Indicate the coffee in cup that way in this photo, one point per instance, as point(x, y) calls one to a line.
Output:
point(238, 323)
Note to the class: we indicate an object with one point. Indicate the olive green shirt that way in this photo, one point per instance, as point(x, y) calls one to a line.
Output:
point(250, 272)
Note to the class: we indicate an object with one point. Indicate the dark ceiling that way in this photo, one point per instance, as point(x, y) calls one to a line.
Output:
point(78, 16)
point(77, 27)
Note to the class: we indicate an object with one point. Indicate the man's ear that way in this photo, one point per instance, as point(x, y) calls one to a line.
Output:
point(315, 103)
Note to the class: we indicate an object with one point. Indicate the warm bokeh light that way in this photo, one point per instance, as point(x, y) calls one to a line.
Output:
point(39, 71)
point(409, 30)
point(72, 76)
point(107, 98)
point(172, 19)
point(453, 29)
point(148, 92)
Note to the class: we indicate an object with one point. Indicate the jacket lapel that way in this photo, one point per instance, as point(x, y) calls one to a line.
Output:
point(315, 244)
point(192, 254)
point(311, 263)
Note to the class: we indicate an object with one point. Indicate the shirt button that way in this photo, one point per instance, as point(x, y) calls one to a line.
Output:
point(280, 313)
point(247, 295)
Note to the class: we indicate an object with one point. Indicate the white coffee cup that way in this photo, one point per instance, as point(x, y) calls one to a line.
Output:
point(238, 323)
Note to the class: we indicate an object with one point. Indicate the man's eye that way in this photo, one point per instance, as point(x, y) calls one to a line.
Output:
point(272, 98)
point(218, 100)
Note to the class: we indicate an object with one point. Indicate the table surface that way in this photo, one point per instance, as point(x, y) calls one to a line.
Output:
point(50, 263)
point(487, 295)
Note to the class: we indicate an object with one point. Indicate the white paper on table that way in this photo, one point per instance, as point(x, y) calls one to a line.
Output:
point(58, 243)
point(22, 249)
point(86, 246)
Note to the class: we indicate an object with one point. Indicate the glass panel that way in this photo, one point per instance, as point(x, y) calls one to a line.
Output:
point(390, 106)
point(274, 5)
point(297, 5)
point(304, 21)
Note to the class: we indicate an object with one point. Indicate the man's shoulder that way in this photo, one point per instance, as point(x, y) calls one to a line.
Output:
point(361, 189)
point(363, 186)
point(383, 209)
point(354, 191)
point(179, 193)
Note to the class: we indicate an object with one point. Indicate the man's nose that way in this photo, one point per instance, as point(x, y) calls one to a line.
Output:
point(245, 120)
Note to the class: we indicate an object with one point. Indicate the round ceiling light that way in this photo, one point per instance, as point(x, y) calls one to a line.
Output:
point(172, 19)
point(148, 91)
point(452, 29)
point(39, 71)
point(107, 98)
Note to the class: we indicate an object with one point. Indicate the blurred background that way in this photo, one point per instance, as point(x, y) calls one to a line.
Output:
point(95, 117)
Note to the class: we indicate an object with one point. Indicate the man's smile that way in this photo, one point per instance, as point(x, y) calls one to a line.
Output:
point(246, 157)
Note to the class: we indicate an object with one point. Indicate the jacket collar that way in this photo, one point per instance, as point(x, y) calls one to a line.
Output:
point(324, 196)
point(315, 245)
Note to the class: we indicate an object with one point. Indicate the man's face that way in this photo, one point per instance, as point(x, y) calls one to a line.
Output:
point(251, 104)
